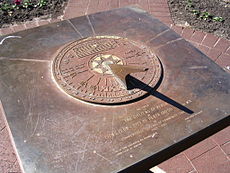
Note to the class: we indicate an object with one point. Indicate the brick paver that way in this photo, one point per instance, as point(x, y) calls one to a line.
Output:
point(222, 137)
point(210, 40)
point(204, 49)
point(222, 44)
point(8, 160)
point(199, 149)
point(177, 164)
point(177, 29)
point(214, 54)
point(5, 31)
point(224, 61)
point(187, 33)
point(212, 162)
point(30, 24)
point(198, 36)
point(18, 27)
point(210, 155)
point(228, 51)
point(226, 148)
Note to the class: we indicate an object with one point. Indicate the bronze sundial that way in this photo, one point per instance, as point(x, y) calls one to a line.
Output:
point(108, 92)
point(82, 69)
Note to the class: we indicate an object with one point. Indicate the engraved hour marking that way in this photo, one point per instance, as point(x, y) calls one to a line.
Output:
point(105, 81)
point(82, 71)
point(98, 81)
point(70, 69)
point(74, 74)
point(90, 78)
point(85, 83)
point(73, 71)
point(80, 66)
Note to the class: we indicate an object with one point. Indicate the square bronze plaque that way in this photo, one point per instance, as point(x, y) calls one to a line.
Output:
point(103, 92)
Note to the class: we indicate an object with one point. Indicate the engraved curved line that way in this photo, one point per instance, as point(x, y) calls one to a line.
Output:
point(36, 125)
point(92, 28)
point(161, 33)
point(74, 27)
point(10, 36)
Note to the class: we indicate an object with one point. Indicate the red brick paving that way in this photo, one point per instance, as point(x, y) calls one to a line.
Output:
point(204, 49)
point(222, 44)
point(177, 29)
point(30, 24)
point(195, 44)
point(177, 164)
point(201, 148)
point(2, 123)
point(210, 40)
point(8, 161)
point(222, 137)
point(187, 33)
point(5, 31)
point(228, 51)
point(43, 22)
point(214, 161)
point(114, 4)
point(19, 27)
point(198, 36)
point(226, 148)
point(208, 156)
point(224, 61)
point(214, 54)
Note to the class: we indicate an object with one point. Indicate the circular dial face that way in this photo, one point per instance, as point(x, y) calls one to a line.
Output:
point(80, 69)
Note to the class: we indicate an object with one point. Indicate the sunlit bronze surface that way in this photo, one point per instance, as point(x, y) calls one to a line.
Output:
point(121, 72)
point(55, 131)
